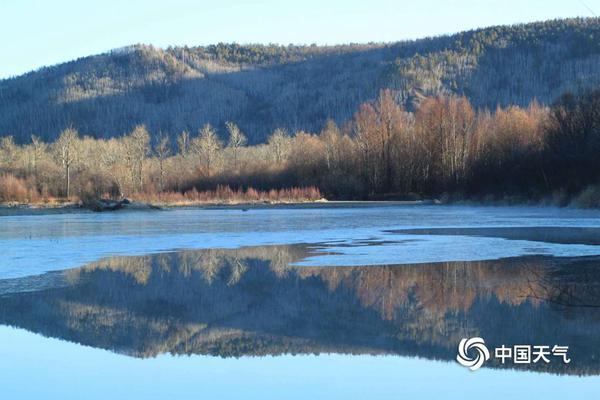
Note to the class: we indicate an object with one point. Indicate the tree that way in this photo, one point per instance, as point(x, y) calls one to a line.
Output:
point(332, 137)
point(391, 125)
point(8, 152)
point(341, 176)
point(280, 143)
point(573, 140)
point(37, 151)
point(162, 151)
point(137, 147)
point(447, 126)
point(236, 140)
point(307, 159)
point(183, 142)
point(365, 122)
point(67, 152)
point(379, 126)
point(112, 155)
point(207, 146)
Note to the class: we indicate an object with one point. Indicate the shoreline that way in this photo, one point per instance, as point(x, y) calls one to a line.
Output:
point(24, 209)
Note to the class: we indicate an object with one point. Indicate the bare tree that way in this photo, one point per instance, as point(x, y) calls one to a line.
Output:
point(66, 150)
point(8, 152)
point(391, 123)
point(183, 142)
point(37, 151)
point(207, 146)
point(162, 151)
point(137, 147)
point(280, 143)
point(236, 140)
point(111, 159)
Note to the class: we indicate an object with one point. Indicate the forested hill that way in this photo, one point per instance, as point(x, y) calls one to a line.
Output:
point(261, 87)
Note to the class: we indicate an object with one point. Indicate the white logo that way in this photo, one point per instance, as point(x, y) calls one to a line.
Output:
point(477, 344)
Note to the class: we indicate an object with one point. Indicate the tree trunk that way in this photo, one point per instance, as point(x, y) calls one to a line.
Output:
point(68, 181)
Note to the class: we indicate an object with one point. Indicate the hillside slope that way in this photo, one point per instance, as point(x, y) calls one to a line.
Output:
point(296, 87)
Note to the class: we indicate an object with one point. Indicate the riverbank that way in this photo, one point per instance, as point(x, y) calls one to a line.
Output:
point(16, 209)
point(222, 196)
point(587, 199)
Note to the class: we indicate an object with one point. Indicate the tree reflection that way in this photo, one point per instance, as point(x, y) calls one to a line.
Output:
point(253, 301)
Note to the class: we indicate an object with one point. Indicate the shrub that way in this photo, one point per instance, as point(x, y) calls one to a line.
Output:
point(224, 194)
point(13, 189)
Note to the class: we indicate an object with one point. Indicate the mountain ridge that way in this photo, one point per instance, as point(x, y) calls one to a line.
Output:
point(296, 87)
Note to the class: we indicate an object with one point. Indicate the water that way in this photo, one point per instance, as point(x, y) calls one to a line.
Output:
point(327, 302)
point(31, 245)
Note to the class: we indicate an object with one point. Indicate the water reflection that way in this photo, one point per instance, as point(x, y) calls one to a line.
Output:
point(250, 301)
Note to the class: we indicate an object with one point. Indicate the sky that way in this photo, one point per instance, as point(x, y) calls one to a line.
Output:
point(38, 33)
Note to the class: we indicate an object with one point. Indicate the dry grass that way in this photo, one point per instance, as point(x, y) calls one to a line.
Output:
point(226, 195)
point(16, 190)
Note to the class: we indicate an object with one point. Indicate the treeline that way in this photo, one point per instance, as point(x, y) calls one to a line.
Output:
point(445, 147)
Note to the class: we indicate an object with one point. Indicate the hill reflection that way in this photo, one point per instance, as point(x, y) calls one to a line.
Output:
point(251, 301)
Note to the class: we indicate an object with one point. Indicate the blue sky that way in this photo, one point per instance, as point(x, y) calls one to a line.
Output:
point(36, 33)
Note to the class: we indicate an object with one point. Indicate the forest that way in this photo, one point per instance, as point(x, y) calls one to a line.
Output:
point(297, 88)
point(500, 113)
point(444, 149)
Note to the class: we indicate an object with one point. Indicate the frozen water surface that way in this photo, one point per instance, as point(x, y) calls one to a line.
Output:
point(343, 235)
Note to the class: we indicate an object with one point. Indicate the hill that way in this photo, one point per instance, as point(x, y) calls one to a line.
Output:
point(262, 87)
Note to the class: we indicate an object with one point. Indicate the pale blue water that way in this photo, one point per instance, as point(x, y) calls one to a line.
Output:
point(59, 367)
point(34, 244)
point(34, 367)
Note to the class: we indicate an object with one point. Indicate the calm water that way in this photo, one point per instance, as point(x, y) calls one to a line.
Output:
point(327, 302)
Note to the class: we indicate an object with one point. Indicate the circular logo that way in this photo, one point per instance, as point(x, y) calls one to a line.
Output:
point(467, 346)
